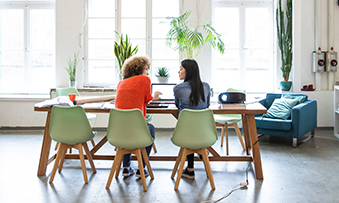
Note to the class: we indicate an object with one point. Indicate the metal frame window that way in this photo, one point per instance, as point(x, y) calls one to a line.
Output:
point(247, 28)
point(27, 47)
point(140, 20)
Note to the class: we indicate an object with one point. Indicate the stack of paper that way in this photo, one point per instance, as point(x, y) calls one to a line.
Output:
point(61, 100)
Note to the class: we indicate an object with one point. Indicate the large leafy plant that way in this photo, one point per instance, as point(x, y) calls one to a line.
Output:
point(72, 66)
point(284, 31)
point(190, 40)
point(123, 49)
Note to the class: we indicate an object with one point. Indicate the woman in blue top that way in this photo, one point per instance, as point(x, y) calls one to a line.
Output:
point(191, 94)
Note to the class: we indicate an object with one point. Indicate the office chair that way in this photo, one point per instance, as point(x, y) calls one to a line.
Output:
point(129, 140)
point(229, 120)
point(194, 132)
point(70, 127)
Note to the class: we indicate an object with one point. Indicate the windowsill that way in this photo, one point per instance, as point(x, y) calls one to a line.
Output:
point(24, 97)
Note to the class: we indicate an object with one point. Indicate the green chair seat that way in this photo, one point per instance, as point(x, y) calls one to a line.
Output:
point(194, 132)
point(128, 131)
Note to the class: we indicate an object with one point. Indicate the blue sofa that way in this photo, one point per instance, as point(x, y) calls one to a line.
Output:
point(303, 119)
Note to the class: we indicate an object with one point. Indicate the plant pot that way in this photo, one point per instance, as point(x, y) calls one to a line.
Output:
point(72, 83)
point(162, 79)
point(285, 86)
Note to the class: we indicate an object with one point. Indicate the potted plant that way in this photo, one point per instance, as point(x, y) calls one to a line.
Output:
point(162, 74)
point(284, 31)
point(72, 68)
point(188, 39)
point(123, 49)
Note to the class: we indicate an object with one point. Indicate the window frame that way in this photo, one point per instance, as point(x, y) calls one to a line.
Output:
point(242, 5)
point(148, 42)
point(27, 6)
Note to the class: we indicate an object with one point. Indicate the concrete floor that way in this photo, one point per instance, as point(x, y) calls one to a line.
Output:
point(308, 173)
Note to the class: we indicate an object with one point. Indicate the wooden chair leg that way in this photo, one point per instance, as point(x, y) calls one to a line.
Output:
point(93, 143)
point(62, 158)
point(141, 168)
point(89, 156)
point(155, 148)
point(119, 165)
point(61, 150)
point(118, 156)
point(56, 145)
point(236, 127)
point(82, 161)
point(177, 163)
point(144, 155)
point(207, 167)
point(182, 162)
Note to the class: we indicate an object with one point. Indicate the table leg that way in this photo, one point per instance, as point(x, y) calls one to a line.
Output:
point(46, 145)
point(246, 133)
point(255, 148)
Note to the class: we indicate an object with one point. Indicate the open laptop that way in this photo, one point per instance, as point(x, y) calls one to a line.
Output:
point(167, 96)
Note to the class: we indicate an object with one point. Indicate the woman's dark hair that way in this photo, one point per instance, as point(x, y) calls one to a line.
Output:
point(193, 77)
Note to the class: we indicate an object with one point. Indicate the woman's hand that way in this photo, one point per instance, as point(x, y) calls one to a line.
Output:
point(156, 95)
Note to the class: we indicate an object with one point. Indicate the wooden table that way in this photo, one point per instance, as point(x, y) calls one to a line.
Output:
point(248, 123)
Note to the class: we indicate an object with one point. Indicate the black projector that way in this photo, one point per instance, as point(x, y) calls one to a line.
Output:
point(232, 98)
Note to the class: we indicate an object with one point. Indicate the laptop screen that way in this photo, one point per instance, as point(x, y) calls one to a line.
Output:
point(166, 89)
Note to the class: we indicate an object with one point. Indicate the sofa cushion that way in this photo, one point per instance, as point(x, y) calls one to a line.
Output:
point(281, 108)
point(273, 123)
point(299, 98)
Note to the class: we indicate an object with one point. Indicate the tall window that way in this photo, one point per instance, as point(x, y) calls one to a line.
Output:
point(140, 20)
point(247, 30)
point(27, 47)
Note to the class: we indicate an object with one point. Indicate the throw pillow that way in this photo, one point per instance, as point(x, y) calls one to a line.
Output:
point(300, 98)
point(281, 108)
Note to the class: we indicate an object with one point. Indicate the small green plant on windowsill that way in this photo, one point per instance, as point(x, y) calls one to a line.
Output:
point(72, 68)
point(162, 72)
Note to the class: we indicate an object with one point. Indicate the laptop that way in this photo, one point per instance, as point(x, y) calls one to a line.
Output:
point(167, 96)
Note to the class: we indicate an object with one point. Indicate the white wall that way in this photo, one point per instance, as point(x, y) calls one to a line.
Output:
point(19, 112)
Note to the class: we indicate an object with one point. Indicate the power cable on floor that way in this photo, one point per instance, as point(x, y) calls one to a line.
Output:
point(243, 184)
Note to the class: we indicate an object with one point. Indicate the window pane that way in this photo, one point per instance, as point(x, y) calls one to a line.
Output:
point(100, 49)
point(257, 26)
point(141, 46)
point(12, 29)
point(12, 71)
point(101, 28)
point(247, 34)
point(133, 8)
point(161, 51)
point(134, 28)
point(227, 24)
point(101, 71)
point(168, 8)
point(101, 8)
point(42, 29)
point(159, 30)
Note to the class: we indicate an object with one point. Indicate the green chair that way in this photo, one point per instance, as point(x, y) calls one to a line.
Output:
point(69, 126)
point(229, 120)
point(127, 130)
point(194, 132)
point(148, 118)
point(72, 90)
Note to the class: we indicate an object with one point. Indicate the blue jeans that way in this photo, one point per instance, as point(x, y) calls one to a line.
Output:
point(127, 157)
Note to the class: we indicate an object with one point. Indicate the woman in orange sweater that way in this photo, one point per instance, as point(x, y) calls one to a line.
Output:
point(134, 91)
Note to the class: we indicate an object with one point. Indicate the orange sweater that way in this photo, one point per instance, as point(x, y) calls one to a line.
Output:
point(134, 92)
